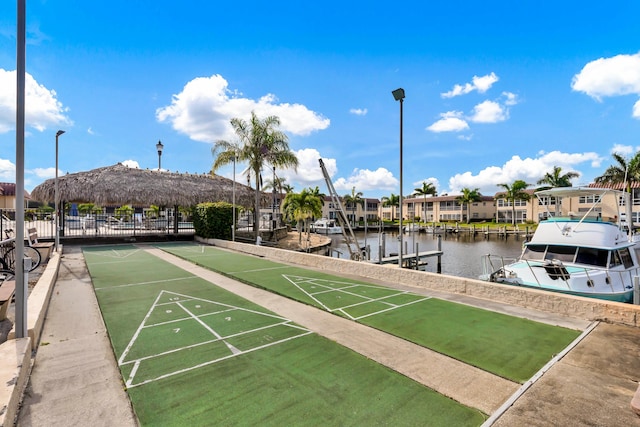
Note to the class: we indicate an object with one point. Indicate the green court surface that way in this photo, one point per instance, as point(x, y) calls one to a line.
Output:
point(192, 353)
point(511, 347)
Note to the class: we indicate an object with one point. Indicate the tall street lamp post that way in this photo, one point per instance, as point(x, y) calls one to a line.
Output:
point(56, 196)
point(398, 95)
point(159, 147)
point(233, 192)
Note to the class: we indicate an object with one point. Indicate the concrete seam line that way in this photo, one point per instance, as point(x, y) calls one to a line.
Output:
point(506, 405)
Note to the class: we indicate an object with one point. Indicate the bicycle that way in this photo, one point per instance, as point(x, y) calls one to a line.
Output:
point(8, 255)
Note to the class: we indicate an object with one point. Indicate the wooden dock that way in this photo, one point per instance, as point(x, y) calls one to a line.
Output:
point(410, 260)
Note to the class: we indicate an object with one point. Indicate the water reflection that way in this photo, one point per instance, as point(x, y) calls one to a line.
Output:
point(461, 252)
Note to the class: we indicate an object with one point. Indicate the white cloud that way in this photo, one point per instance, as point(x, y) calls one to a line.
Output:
point(511, 98)
point(45, 173)
point(206, 105)
point(624, 150)
point(365, 180)
point(131, 164)
point(358, 111)
point(618, 75)
point(432, 180)
point(489, 112)
point(615, 76)
point(42, 109)
point(7, 171)
point(528, 169)
point(481, 84)
point(309, 172)
point(465, 137)
point(90, 131)
point(451, 121)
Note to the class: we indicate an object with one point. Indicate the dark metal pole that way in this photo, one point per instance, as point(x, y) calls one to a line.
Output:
point(21, 277)
point(233, 227)
point(401, 231)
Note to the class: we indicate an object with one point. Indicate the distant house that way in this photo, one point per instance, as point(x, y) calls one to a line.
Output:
point(8, 196)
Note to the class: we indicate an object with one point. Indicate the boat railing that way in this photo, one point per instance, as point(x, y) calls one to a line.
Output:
point(625, 276)
point(491, 264)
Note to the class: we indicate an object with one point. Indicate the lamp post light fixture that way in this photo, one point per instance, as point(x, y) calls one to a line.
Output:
point(56, 196)
point(398, 95)
point(159, 147)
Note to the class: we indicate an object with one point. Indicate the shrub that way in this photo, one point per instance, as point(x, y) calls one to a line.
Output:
point(213, 220)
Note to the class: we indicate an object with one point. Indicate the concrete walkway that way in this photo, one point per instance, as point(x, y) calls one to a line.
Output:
point(75, 380)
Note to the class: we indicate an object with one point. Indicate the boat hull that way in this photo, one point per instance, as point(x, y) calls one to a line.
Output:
point(623, 296)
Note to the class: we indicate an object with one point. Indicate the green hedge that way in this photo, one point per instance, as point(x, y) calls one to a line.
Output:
point(213, 220)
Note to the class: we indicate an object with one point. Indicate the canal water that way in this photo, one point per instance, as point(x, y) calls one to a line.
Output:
point(462, 253)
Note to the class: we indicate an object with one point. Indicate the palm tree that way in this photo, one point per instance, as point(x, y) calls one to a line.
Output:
point(557, 179)
point(301, 207)
point(287, 188)
point(513, 192)
point(393, 200)
point(426, 189)
point(316, 192)
point(260, 143)
point(467, 197)
point(353, 200)
point(624, 172)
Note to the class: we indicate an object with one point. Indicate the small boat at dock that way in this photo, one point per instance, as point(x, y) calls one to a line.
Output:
point(326, 226)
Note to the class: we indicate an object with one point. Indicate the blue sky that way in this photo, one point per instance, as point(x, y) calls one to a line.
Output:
point(495, 91)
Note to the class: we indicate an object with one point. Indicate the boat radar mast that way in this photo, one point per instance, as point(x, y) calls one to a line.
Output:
point(347, 232)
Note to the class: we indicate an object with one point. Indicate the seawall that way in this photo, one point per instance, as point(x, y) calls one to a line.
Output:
point(566, 305)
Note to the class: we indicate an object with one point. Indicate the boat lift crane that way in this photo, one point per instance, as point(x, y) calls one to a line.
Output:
point(349, 237)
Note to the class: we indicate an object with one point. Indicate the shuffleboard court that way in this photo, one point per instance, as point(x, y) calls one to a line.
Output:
point(193, 353)
point(508, 346)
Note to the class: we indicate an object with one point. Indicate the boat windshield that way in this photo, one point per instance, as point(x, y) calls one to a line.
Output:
point(579, 255)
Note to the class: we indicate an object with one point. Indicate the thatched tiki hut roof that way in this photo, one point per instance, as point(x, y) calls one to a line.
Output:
point(120, 185)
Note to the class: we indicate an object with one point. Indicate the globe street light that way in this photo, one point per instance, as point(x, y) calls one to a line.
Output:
point(398, 95)
point(159, 147)
point(57, 214)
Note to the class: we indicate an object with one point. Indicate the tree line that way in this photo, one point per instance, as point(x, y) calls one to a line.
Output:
point(260, 143)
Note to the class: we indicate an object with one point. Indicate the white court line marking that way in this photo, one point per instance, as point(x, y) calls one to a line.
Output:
point(187, 347)
point(208, 328)
point(393, 308)
point(152, 282)
point(260, 269)
point(307, 293)
point(211, 362)
point(115, 253)
point(366, 299)
point(234, 351)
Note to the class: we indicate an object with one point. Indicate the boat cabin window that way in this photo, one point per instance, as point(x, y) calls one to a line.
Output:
point(592, 256)
point(561, 253)
point(589, 256)
point(625, 256)
point(534, 252)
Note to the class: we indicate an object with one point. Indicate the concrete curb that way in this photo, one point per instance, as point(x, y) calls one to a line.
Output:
point(38, 301)
point(16, 354)
point(14, 373)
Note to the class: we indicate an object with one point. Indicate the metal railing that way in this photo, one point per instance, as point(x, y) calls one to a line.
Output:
point(97, 225)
